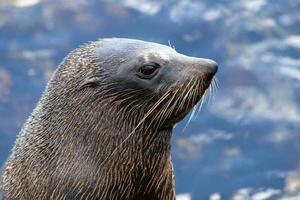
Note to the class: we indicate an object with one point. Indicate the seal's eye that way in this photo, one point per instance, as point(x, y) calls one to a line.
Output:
point(148, 71)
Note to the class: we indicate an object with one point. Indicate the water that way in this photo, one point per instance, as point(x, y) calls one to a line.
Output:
point(244, 144)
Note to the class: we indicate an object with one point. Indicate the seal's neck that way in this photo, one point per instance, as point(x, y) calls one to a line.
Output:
point(106, 142)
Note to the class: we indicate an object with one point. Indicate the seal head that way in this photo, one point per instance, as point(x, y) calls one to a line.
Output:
point(103, 126)
point(156, 69)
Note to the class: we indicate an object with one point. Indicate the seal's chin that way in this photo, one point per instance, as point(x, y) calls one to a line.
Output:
point(170, 122)
point(176, 117)
point(181, 109)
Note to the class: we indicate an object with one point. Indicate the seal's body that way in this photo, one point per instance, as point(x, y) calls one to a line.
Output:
point(103, 126)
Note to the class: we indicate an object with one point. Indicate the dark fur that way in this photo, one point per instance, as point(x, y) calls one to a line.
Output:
point(88, 137)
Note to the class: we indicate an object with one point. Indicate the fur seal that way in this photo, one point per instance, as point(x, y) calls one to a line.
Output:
point(102, 128)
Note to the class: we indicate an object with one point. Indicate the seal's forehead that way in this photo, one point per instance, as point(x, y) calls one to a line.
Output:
point(125, 46)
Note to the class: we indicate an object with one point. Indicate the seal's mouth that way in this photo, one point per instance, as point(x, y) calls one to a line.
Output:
point(182, 100)
point(174, 118)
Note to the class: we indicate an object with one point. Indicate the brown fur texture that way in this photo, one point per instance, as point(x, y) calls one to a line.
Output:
point(98, 133)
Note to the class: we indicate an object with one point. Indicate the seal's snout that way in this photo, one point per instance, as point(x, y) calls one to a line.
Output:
point(212, 67)
point(206, 66)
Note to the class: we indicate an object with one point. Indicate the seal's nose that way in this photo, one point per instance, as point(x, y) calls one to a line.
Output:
point(212, 67)
point(207, 65)
point(204, 66)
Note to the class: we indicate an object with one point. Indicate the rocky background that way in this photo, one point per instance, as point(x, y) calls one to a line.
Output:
point(243, 145)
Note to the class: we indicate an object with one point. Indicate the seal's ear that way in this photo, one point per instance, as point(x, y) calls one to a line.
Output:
point(90, 82)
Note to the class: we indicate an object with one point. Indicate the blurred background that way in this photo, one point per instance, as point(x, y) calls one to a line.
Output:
point(243, 145)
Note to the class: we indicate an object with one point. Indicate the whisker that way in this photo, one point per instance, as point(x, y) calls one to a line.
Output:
point(142, 120)
point(201, 102)
point(185, 96)
point(171, 109)
point(213, 89)
point(193, 100)
point(216, 82)
point(208, 91)
point(191, 91)
point(161, 115)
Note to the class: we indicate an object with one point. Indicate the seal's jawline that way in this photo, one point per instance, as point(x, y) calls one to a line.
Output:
point(177, 117)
